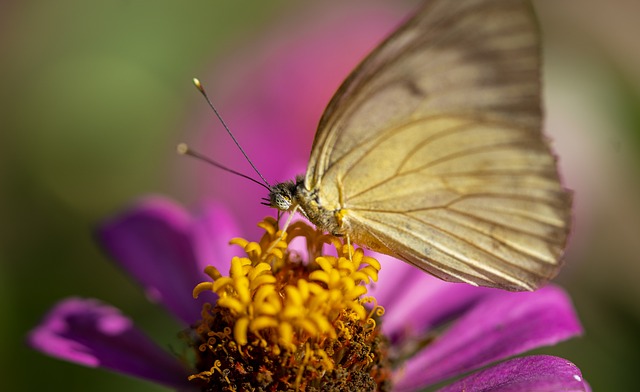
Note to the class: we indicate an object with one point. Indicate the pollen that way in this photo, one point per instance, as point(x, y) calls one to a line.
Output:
point(287, 321)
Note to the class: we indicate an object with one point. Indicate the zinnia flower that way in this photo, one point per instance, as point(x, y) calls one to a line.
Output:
point(279, 317)
point(286, 319)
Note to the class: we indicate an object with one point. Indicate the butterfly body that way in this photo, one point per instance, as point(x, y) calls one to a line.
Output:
point(293, 196)
point(432, 151)
point(333, 218)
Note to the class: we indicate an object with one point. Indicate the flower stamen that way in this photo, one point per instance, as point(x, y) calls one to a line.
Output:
point(283, 324)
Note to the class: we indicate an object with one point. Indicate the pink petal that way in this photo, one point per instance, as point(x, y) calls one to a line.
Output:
point(540, 373)
point(416, 302)
point(212, 229)
point(154, 243)
point(501, 325)
point(91, 333)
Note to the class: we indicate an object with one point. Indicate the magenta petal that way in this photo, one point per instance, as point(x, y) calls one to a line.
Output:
point(91, 333)
point(499, 326)
point(153, 242)
point(393, 274)
point(212, 229)
point(541, 373)
point(409, 295)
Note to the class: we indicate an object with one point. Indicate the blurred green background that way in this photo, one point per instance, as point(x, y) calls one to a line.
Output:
point(95, 95)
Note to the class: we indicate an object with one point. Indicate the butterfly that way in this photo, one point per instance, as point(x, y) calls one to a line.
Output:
point(431, 151)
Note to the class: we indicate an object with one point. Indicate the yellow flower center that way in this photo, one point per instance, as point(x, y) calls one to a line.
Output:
point(284, 324)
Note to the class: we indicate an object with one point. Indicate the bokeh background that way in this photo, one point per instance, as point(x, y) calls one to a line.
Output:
point(94, 96)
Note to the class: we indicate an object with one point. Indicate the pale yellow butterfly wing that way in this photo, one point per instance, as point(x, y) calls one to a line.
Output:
point(432, 149)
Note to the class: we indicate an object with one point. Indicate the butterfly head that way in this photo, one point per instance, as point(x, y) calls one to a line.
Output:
point(281, 196)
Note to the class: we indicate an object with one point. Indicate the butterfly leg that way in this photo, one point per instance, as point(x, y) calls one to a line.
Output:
point(339, 217)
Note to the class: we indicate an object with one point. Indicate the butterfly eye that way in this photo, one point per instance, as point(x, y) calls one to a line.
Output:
point(283, 202)
point(280, 201)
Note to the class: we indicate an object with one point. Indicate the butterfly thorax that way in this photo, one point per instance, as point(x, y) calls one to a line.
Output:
point(293, 195)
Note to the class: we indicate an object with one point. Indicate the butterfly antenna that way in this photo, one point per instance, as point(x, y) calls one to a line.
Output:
point(183, 149)
point(200, 88)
